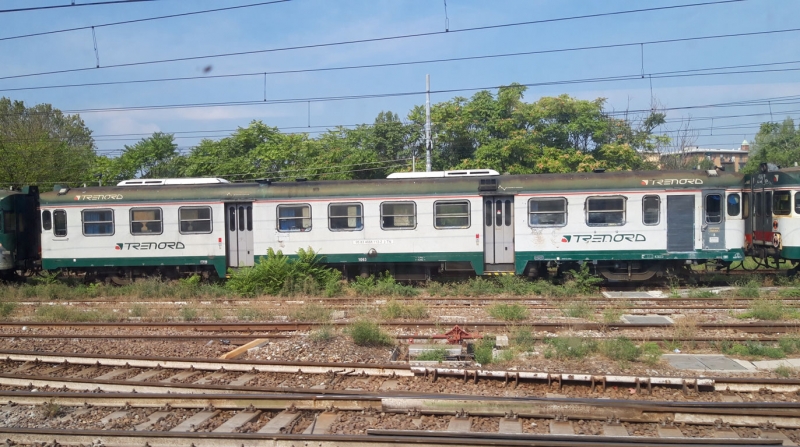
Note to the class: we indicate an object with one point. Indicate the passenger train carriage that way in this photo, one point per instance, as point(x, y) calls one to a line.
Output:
point(629, 225)
point(772, 219)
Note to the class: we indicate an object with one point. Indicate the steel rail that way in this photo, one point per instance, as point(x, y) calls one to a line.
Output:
point(405, 370)
point(168, 439)
point(784, 414)
point(760, 326)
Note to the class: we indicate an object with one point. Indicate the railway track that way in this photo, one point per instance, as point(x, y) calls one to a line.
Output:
point(21, 370)
point(360, 419)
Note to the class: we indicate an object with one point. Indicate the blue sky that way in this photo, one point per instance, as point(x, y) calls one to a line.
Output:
point(307, 22)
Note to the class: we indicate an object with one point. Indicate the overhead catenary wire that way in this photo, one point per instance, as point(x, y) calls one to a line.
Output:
point(426, 34)
point(145, 19)
point(73, 5)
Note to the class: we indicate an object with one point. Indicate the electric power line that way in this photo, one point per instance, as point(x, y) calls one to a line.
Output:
point(434, 33)
point(73, 4)
point(146, 19)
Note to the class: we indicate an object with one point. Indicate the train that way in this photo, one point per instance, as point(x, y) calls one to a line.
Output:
point(627, 226)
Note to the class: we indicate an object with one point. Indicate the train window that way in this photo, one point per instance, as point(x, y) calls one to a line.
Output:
point(745, 205)
point(195, 219)
point(9, 222)
point(487, 210)
point(768, 204)
point(146, 221)
point(605, 211)
point(451, 214)
point(249, 218)
point(47, 220)
point(507, 213)
point(294, 218)
point(98, 222)
point(797, 203)
point(713, 209)
point(345, 217)
point(59, 223)
point(651, 210)
point(547, 212)
point(782, 203)
point(398, 215)
point(734, 204)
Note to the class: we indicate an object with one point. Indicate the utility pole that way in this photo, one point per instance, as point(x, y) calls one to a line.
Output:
point(428, 143)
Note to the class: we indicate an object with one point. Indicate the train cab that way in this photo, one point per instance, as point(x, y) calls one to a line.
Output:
point(19, 235)
point(771, 203)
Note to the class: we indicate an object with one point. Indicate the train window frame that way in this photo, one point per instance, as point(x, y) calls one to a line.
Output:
point(55, 223)
point(47, 220)
point(739, 204)
point(84, 222)
point(707, 215)
point(181, 220)
point(358, 217)
point(658, 209)
point(623, 210)
point(394, 227)
point(145, 222)
point(781, 193)
point(565, 213)
point(768, 203)
point(757, 198)
point(460, 215)
point(797, 202)
point(280, 219)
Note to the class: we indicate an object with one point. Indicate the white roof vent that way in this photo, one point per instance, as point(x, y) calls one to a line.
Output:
point(439, 174)
point(172, 181)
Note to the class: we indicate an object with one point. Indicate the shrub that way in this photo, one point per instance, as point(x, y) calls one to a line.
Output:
point(784, 371)
point(789, 344)
point(585, 282)
point(277, 274)
point(508, 312)
point(514, 285)
point(612, 315)
point(621, 348)
point(369, 333)
point(751, 289)
point(139, 310)
point(477, 287)
point(790, 293)
point(483, 350)
point(561, 348)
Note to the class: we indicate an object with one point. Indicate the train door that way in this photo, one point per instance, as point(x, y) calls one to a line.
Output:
point(239, 225)
point(498, 229)
point(762, 230)
point(713, 226)
point(680, 223)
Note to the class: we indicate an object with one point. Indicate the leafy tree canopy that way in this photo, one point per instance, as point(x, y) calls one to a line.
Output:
point(777, 143)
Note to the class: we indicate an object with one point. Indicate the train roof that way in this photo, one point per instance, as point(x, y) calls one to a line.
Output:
point(780, 177)
point(622, 181)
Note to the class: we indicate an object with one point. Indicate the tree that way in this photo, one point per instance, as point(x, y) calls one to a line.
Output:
point(775, 143)
point(153, 157)
point(40, 145)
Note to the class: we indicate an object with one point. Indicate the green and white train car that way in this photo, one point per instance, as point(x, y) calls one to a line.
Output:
point(629, 225)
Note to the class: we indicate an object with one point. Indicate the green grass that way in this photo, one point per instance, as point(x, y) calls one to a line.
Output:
point(752, 349)
point(369, 333)
point(621, 349)
point(651, 353)
point(769, 309)
point(701, 294)
point(562, 348)
point(139, 310)
point(69, 314)
point(522, 339)
point(393, 310)
point(433, 355)
point(382, 285)
point(249, 314)
point(508, 312)
point(312, 313)
point(325, 333)
point(790, 293)
point(750, 289)
point(188, 313)
point(784, 371)
point(578, 309)
point(7, 308)
point(612, 315)
point(789, 344)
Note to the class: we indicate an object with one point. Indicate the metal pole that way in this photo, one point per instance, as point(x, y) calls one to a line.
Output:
point(428, 144)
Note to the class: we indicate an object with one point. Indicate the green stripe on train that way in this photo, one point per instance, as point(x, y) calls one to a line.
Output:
point(219, 262)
